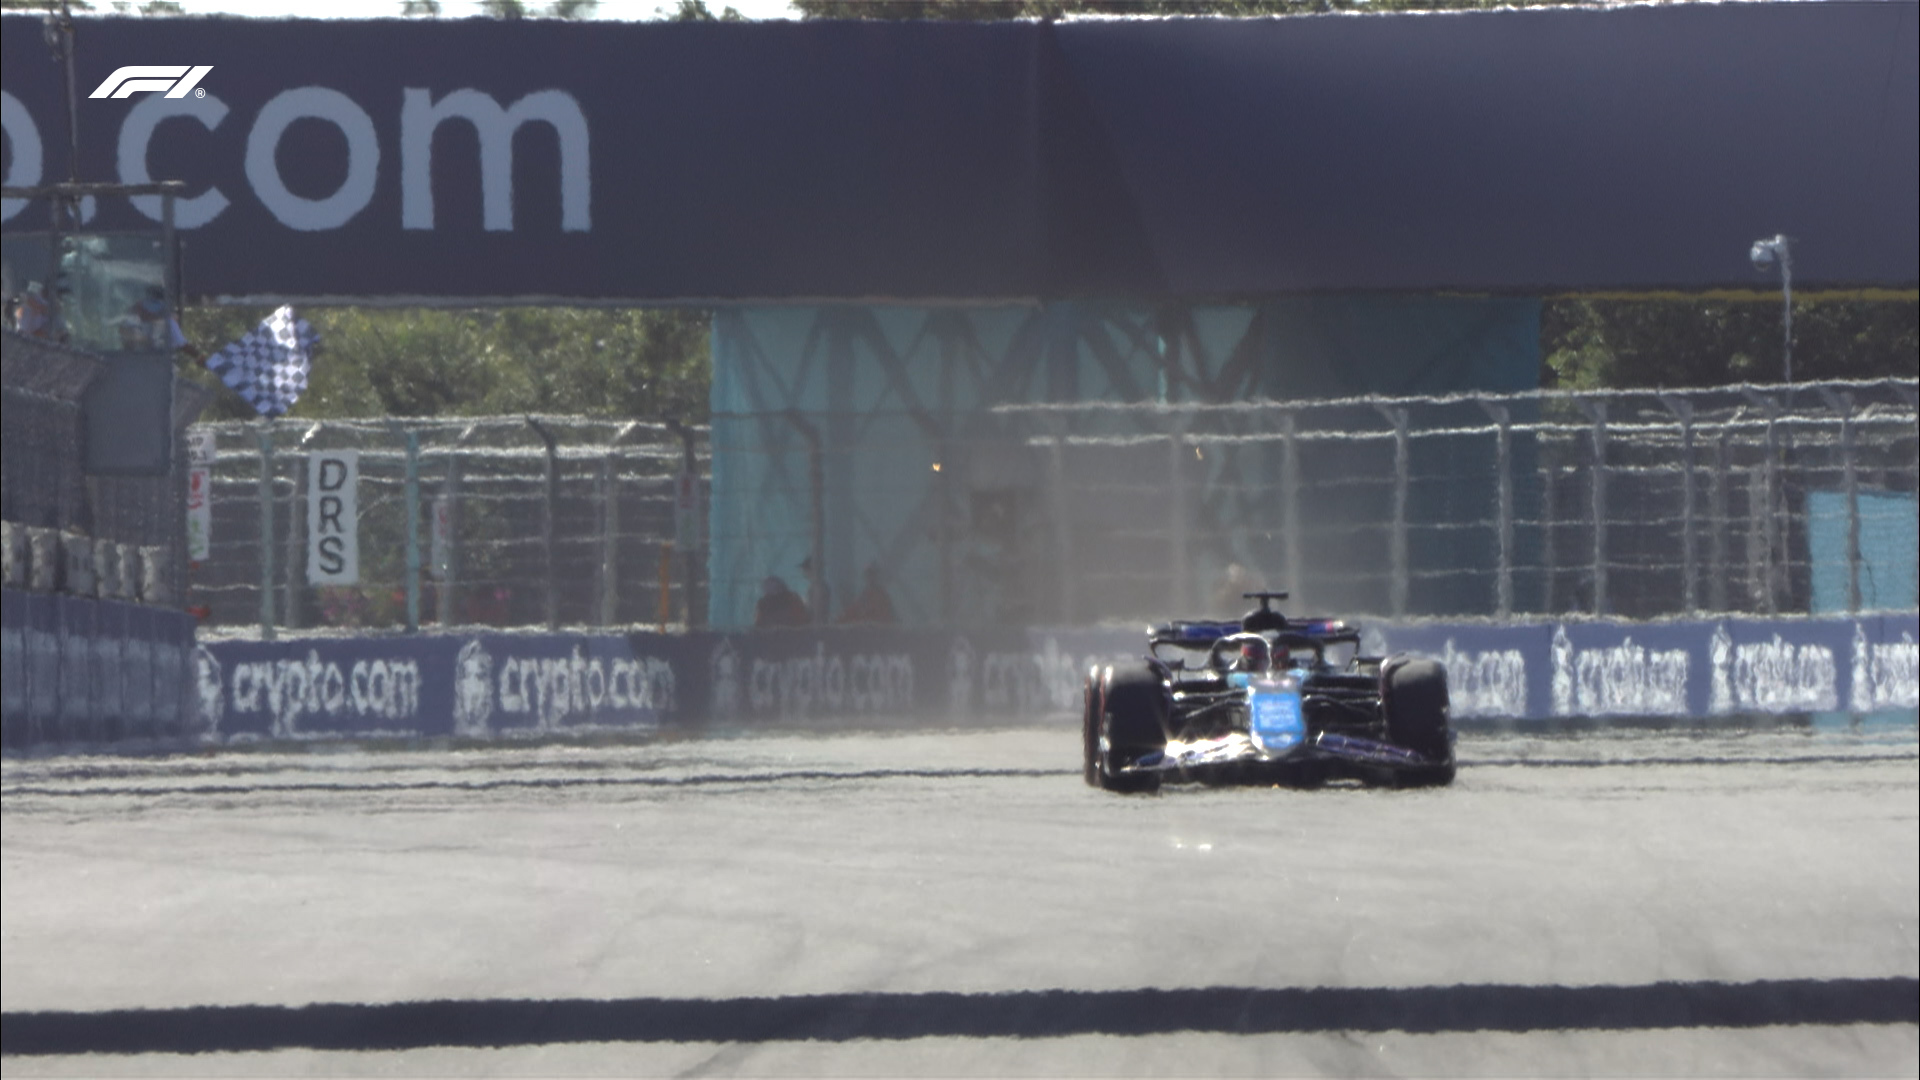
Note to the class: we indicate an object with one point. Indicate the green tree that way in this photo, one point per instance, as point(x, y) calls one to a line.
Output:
point(1589, 343)
point(519, 9)
point(436, 362)
point(697, 11)
point(982, 10)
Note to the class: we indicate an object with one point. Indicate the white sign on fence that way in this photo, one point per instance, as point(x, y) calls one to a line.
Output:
point(333, 517)
point(200, 451)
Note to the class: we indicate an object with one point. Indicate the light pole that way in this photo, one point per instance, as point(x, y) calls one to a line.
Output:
point(1765, 253)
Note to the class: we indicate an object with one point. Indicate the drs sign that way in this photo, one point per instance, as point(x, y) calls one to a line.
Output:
point(333, 517)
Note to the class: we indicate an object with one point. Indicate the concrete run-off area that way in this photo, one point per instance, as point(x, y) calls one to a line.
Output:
point(1726, 903)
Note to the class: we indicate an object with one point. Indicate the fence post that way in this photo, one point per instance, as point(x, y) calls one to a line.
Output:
point(693, 544)
point(1771, 512)
point(666, 587)
point(1503, 469)
point(1062, 536)
point(546, 520)
point(266, 530)
point(1291, 554)
point(609, 540)
point(1179, 590)
point(1596, 412)
point(448, 599)
point(1397, 539)
point(1682, 410)
point(1842, 405)
point(1549, 546)
point(1717, 514)
point(413, 531)
point(296, 534)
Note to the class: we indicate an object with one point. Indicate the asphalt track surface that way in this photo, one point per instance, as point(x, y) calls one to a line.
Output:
point(959, 903)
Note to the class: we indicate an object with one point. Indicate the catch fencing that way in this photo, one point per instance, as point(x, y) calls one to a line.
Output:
point(497, 521)
point(113, 537)
point(1638, 504)
point(1745, 500)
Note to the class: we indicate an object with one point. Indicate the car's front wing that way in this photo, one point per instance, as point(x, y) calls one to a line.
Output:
point(1237, 748)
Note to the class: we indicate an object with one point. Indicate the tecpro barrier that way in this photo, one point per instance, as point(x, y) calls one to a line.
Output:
point(62, 656)
point(80, 670)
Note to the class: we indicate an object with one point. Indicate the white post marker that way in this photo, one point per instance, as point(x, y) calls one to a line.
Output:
point(333, 517)
point(200, 451)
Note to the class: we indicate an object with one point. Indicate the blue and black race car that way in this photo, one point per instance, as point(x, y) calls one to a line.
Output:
point(1266, 699)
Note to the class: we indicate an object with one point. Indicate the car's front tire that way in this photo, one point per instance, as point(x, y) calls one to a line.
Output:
point(1126, 719)
point(1414, 696)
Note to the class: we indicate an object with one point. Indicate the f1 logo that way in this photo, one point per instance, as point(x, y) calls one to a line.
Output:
point(176, 80)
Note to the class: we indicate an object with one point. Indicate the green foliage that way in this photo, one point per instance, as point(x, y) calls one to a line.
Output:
point(1589, 344)
point(697, 11)
point(515, 9)
point(650, 363)
point(983, 10)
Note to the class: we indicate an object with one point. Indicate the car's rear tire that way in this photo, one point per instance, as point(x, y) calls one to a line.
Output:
point(1090, 728)
point(1414, 694)
point(1126, 722)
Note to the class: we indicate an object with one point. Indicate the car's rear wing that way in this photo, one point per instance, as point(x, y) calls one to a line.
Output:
point(1298, 633)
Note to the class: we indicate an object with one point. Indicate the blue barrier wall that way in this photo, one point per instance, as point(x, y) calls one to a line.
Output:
point(1683, 669)
point(502, 685)
point(506, 685)
point(75, 670)
point(81, 672)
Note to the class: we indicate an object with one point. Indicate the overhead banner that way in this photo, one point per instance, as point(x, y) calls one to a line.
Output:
point(442, 160)
point(333, 517)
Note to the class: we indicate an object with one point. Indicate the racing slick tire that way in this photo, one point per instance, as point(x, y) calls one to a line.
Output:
point(1414, 693)
point(1090, 728)
point(1125, 720)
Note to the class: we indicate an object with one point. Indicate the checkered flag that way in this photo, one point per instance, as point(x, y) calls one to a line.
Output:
point(269, 366)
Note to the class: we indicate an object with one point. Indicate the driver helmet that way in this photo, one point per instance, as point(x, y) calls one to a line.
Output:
point(1254, 655)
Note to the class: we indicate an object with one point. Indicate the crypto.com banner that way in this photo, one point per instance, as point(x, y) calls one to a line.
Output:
point(515, 685)
point(1505, 151)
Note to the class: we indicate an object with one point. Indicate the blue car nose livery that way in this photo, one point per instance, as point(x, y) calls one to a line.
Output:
point(1276, 721)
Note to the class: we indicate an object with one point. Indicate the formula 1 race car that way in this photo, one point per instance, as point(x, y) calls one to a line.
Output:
point(1264, 700)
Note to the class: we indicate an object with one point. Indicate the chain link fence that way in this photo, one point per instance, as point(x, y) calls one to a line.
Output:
point(117, 537)
point(498, 521)
point(1642, 504)
point(1756, 499)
